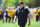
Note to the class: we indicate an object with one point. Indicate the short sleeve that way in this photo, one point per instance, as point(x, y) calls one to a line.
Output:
point(27, 11)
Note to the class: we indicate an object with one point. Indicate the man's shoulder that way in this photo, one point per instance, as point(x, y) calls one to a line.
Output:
point(17, 9)
point(25, 8)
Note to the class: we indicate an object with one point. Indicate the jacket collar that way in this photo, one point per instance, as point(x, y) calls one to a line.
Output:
point(21, 8)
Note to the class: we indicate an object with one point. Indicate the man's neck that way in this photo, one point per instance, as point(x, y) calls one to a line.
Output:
point(21, 8)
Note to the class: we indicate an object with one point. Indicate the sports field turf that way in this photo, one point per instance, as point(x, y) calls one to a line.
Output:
point(33, 24)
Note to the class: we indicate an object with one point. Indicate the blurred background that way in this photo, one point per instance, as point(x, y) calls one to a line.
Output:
point(14, 3)
point(32, 5)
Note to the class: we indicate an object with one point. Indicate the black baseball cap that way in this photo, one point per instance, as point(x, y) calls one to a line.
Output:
point(20, 3)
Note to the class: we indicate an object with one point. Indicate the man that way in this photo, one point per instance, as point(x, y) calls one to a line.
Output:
point(7, 14)
point(12, 13)
point(1, 15)
point(37, 15)
point(22, 14)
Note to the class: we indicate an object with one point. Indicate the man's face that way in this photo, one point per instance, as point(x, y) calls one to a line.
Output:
point(21, 5)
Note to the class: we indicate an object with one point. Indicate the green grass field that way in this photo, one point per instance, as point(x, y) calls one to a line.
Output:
point(33, 24)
